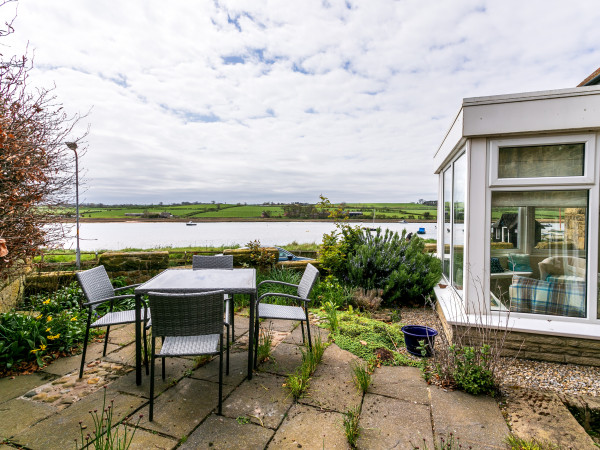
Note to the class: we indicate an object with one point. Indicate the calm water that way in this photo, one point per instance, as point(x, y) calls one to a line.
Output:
point(120, 235)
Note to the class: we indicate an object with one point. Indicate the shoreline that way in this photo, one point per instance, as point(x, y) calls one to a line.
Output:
point(232, 219)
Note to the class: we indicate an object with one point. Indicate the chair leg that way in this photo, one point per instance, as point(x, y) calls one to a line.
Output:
point(106, 340)
point(227, 340)
point(152, 380)
point(85, 341)
point(232, 318)
point(144, 334)
point(256, 329)
point(221, 376)
point(163, 362)
point(302, 328)
point(308, 329)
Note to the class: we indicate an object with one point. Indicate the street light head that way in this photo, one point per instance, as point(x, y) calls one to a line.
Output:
point(71, 145)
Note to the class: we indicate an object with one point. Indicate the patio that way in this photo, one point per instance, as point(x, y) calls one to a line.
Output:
point(43, 410)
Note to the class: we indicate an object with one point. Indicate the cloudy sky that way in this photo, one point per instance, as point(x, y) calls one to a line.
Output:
point(252, 101)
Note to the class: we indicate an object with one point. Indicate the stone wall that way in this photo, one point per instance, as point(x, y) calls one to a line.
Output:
point(136, 267)
point(546, 347)
point(12, 289)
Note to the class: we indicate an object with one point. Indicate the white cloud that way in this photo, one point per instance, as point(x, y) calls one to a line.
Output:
point(276, 100)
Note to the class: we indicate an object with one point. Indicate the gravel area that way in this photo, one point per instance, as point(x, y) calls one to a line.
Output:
point(564, 378)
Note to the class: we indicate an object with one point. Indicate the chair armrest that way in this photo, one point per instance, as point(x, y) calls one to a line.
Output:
point(107, 299)
point(280, 294)
point(276, 282)
point(127, 287)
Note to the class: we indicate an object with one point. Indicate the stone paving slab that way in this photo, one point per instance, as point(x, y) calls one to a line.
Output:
point(284, 360)
point(543, 416)
point(391, 423)
point(403, 383)
point(238, 369)
point(263, 400)
point(63, 366)
point(475, 420)
point(144, 440)
point(19, 414)
point(279, 325)
point(332, 386)
point(310, 428)
point(122, 334)
point(175, 369)
point(13, 387)
point(180, 409)
point(60, 430)
point(124, 355)
point(218, 432)
point(295, 337)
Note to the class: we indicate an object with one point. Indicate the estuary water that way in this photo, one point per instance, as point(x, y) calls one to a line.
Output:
point(120, 235)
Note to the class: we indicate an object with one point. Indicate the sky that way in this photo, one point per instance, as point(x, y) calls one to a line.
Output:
point(254, 101)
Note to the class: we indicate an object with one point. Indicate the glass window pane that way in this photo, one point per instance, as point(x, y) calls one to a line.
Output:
point(538, 248)
point(458, 223)
point(446, 234)
point(565, 160)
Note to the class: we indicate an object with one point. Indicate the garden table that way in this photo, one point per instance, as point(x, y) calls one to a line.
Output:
point(231, 281)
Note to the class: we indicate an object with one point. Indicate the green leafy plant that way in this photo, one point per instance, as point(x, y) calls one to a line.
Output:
point(265, 340)
point(516, 443)
point(361, 374)
point(351, 427)
point(260, 257)
point(332, 318)
point(385, 260)
point(298, 382)
point(471, 373)
point(106, 434)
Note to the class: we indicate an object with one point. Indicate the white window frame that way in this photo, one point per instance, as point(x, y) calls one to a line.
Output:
point(588, 177)
point(586, 182)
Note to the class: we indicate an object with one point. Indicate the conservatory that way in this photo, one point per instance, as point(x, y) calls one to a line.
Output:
point(518, 220)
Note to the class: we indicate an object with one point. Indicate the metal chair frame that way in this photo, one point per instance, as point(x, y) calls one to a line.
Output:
point(98, 289)
point(269, 311)
point(189, 325)
point(200, 262)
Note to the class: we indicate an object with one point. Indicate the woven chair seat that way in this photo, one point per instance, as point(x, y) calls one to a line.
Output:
point(116, 318)
point(190, 345)
point(268, 311)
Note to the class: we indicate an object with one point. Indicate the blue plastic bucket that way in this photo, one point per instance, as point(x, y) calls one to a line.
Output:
point(413, 334)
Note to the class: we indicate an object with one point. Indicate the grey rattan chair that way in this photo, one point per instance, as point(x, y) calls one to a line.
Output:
point(268, 311)
point(98, 289)
point(189, 325)
point(219, 262)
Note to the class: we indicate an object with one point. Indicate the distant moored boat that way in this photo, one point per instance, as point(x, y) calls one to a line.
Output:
point(191, 224)
point(421, 230)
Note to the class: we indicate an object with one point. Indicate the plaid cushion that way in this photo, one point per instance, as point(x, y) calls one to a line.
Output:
point(533, 296)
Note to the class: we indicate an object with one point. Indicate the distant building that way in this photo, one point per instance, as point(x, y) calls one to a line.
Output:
point(354, 213)
point(134, 214)
point(430, 202)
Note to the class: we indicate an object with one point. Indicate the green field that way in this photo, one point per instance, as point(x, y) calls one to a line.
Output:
point(410, 211)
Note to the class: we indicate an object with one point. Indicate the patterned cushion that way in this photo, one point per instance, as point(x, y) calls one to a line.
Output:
point(533, 296)
point(519, 262)
point(495, 266)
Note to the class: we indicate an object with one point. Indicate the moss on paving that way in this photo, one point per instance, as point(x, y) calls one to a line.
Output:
point(363, 336)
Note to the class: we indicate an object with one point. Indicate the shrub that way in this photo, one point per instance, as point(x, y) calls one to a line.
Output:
point(400, 267)
point(367, 299)
point(329, 289)
point(471, 373)
point(259, 257)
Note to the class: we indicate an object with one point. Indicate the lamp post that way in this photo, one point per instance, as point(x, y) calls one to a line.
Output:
point(73, 146)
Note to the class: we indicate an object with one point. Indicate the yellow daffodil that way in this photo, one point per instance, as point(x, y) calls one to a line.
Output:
point(35, 350)
point(46, 302)
point(48, 329)
point(73, 319)
point(42, 347)
point(54, 337)
point(39, 316)
point(48, 319)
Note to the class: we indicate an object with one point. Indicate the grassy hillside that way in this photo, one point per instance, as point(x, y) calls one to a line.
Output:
point(391, 211)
